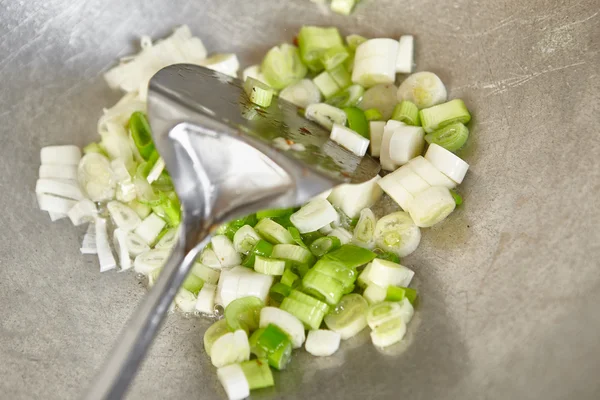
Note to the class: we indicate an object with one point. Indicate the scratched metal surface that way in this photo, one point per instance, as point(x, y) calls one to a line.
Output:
point(509, 284)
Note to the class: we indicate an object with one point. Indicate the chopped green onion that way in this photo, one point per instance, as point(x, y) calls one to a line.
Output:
point(325, 115)
point(293, 253)
point(273, 232)
point(192, 283)
point(451, 137)
point(323, 245)
point(269, 266)
point(357, 121)
point(334, 269)
point(343, 7)
point(261, 248)
point(374, 294)
point(397, 233)
point(94, 148)
point(258, 93)
point(341, 76)
point(229, 229)
point(245, 239)
point(445, 114)
point(232, 347)
point(310, 315)
point(279, 291)
point(351, 256)
point(310, 237)
point(395, 293)
point(457, 197)
point(353, 41)
point(326, 84)
point(432, 206)
point(258, 374)
point(349, 139)
point(142, 210)
point(425, 89)
point(296, 236)
point(406, 112)
point(207, 274)
point(387, 255)
point(289, 278)
point(214, 332)
point(314, 215)
point(323, 286)
point(225, 252)
point(365, 229)
point(386, 273)
point(373, 114)
point(234, 381)
point(275, 212)
point(349, 317)
point(388, 333)
point(447, 163)
point(308, 299)
point(322, 342)
point(141, 134)
point(272, 343)
point(285, 321)
point(282, 66)
point(334, 56)
point(243, 313)
point(380, 313)
point(313, 41)
point(348, 97)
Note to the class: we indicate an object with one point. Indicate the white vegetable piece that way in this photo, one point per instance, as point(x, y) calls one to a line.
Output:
point(425, 89)
point(431, 206)
point(363, 279)
point(387, 273)
point(284, 321)
point(397, 232)
point(406, 143)
point(96, 177)
point(323, 195)
point(210, 259)
point(375, 294)
point(241, 282)
point(385, 158)
point(84, 211)
point(364, 231)
point(206, 299)
point(381, 313)
point(314, 215)
point(375, 62)
point(382, 97)
point(115, 142)
point(349, 317)
point(408, 179)
point(61, 155)
point(227, 64)
point(157, 169)
point(322, 342)
point(225, 251)
point(123, 217)
point(150, 260)
point(425, 169)
point(253, 71)
point(135, 244)
point(167, 241)
point(231, 348)
point(406, 310)
point(234, 382)
point(397, 192)
point(376, 131)
point(62, 188)
point(351, 199)
point(55, 204)
point(349, 139)
point(244, 239)
point(389, 333)
point(88, 245)
point(185, 300)
point(150, 228)
point(105, 255)
point(207, 274)
point(342, 234)
point(121, 112)
point(302, 93)
point(447, 162)
point(56, 216)
point(125, 187)
point(406, 50)
point(325, 115)
point(55, 171)
point(120, 243)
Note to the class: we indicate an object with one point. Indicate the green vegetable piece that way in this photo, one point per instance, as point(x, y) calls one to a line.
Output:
point(451, 137)
point(357, 121)
point(407, 112)
point(244, 313)
point(141, 134)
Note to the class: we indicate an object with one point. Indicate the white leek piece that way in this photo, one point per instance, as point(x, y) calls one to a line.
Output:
point(167, 241)
point(408, 179)
point(322, 342)
point(325, 115)
point(284, 321)
point(397, 192)
point(447, 162)
point(381, 97)
point(387, 273)
point(380, 313)
point(406, 310)
point(349, 317)
point(351, 199)
point(342, 234)
point(389, 333)
point(323, 195)
point(244, 239)
point(150, 228)
point(115, 142)
point(121, 112)
point(227, 64)
point(241, 282)
point(253, 72)
point(385, 158)
point(364, 230)
point(123, 216)
point(302, 93)
point(314, 215)
point(61, 155)
point(105, 255)
point(397, 233)
point(406, 50)
point(425, 89)
point(210, 259)
point(374, 294)
point(96, 177)
point(376, 131)
point(157, 169)
point(120, 243)
point(56, 216)
point(150, 260)
point(234, 382)
point(67, 189)
point(136, 245)
point(88, 245)
point(125, 187)
point(55, 171)
point(363, 279)
point(207, 274)
point(349, 139)
point(225, 251)
point(55, 204)
point(425, 169)
point(206, 299)
point(406, 143)
point(231, 348)
point(84, 211)
point(375, 62)
point(431, 206)
point(185, 300)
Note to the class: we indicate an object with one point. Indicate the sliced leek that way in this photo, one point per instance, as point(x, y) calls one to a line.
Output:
point(245, 239)
point(376, 134)
point(386, 273)
point(406, 143)
point(431, 206)
point(232, 347)
point(364, 231)
point(405, 59)
point(282, 66)
point(430, 174)
point(349, 317)
point(349, 139)
point(60, 155)
point(225, 251)
point(325, 115)
point(375, 62)
point(313, 216)
point(447, 163)
point(424, 89)
point(286, 322)
point(302, 93)
point(322, 342)
point(445, 114)
point(397, 233)
point(123, 217)
point(352, 198)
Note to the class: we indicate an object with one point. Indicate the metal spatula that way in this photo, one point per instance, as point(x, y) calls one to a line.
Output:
point(219, 150)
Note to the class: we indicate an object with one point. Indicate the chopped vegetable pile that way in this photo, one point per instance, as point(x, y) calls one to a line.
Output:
point(330, 267)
